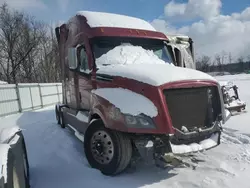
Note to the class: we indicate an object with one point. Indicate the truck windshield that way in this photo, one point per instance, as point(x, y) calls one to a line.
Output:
point(102, 45)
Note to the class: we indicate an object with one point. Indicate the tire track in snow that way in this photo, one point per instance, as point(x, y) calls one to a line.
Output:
point(243, 145)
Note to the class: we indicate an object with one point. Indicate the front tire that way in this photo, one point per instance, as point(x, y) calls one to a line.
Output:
point(107, 150)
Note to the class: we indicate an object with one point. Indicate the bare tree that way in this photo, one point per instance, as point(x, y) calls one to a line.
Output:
point(10, 24)
point(49, 58)
point(203, 63)
point(28, 48)
point(240, 61)
point(230, 59)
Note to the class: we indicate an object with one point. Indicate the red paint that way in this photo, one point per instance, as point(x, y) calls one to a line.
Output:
point(123, 32)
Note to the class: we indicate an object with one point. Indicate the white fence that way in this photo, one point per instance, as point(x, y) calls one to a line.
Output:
point(25, 97)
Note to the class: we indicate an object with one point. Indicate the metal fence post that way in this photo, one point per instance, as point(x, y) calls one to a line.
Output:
point(18, 98)
point(58, 95)
point(41, 96)
point(31, 98)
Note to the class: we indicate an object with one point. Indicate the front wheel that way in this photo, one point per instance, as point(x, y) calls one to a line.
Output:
point(107, 150)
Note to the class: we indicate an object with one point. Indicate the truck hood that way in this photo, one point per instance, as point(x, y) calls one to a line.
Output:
point(154, 74)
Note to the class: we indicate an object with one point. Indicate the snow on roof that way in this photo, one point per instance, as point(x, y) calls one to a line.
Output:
point(103, 19)
point(123, 98)
point(129, 54)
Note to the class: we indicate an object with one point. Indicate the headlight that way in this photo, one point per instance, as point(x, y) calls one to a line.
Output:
point(140, 121)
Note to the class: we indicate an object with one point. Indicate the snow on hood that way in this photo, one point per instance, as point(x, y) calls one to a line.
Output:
point(139, 64)
point(123, 98)
point(7, 132)
point(154, 74)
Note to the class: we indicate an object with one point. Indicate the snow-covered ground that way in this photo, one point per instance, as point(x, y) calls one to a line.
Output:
point(57, 159)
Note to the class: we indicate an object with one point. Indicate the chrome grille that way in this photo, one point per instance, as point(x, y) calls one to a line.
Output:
point(193, 107)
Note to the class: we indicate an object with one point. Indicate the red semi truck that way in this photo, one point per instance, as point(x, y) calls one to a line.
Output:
point(123, 96)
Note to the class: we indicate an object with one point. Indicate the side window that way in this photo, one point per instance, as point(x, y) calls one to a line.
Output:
point(72, 58)
point(83, 59)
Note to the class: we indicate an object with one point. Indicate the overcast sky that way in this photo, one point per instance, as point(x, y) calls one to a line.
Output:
point(214, 25)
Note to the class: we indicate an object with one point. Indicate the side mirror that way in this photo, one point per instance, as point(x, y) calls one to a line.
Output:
point(72, 58)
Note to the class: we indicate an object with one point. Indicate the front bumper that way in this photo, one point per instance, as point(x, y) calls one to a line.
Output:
point(179, 143)
point(200, 140)
point(208, 143)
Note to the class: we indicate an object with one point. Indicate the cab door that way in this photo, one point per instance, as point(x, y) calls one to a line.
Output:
point(84, 77)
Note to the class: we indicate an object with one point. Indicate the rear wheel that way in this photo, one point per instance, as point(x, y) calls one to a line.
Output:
point(62, 124)
point(57, 115)
point(107, 150)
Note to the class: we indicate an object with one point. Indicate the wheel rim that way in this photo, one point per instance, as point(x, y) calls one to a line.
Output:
point(102, 147)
